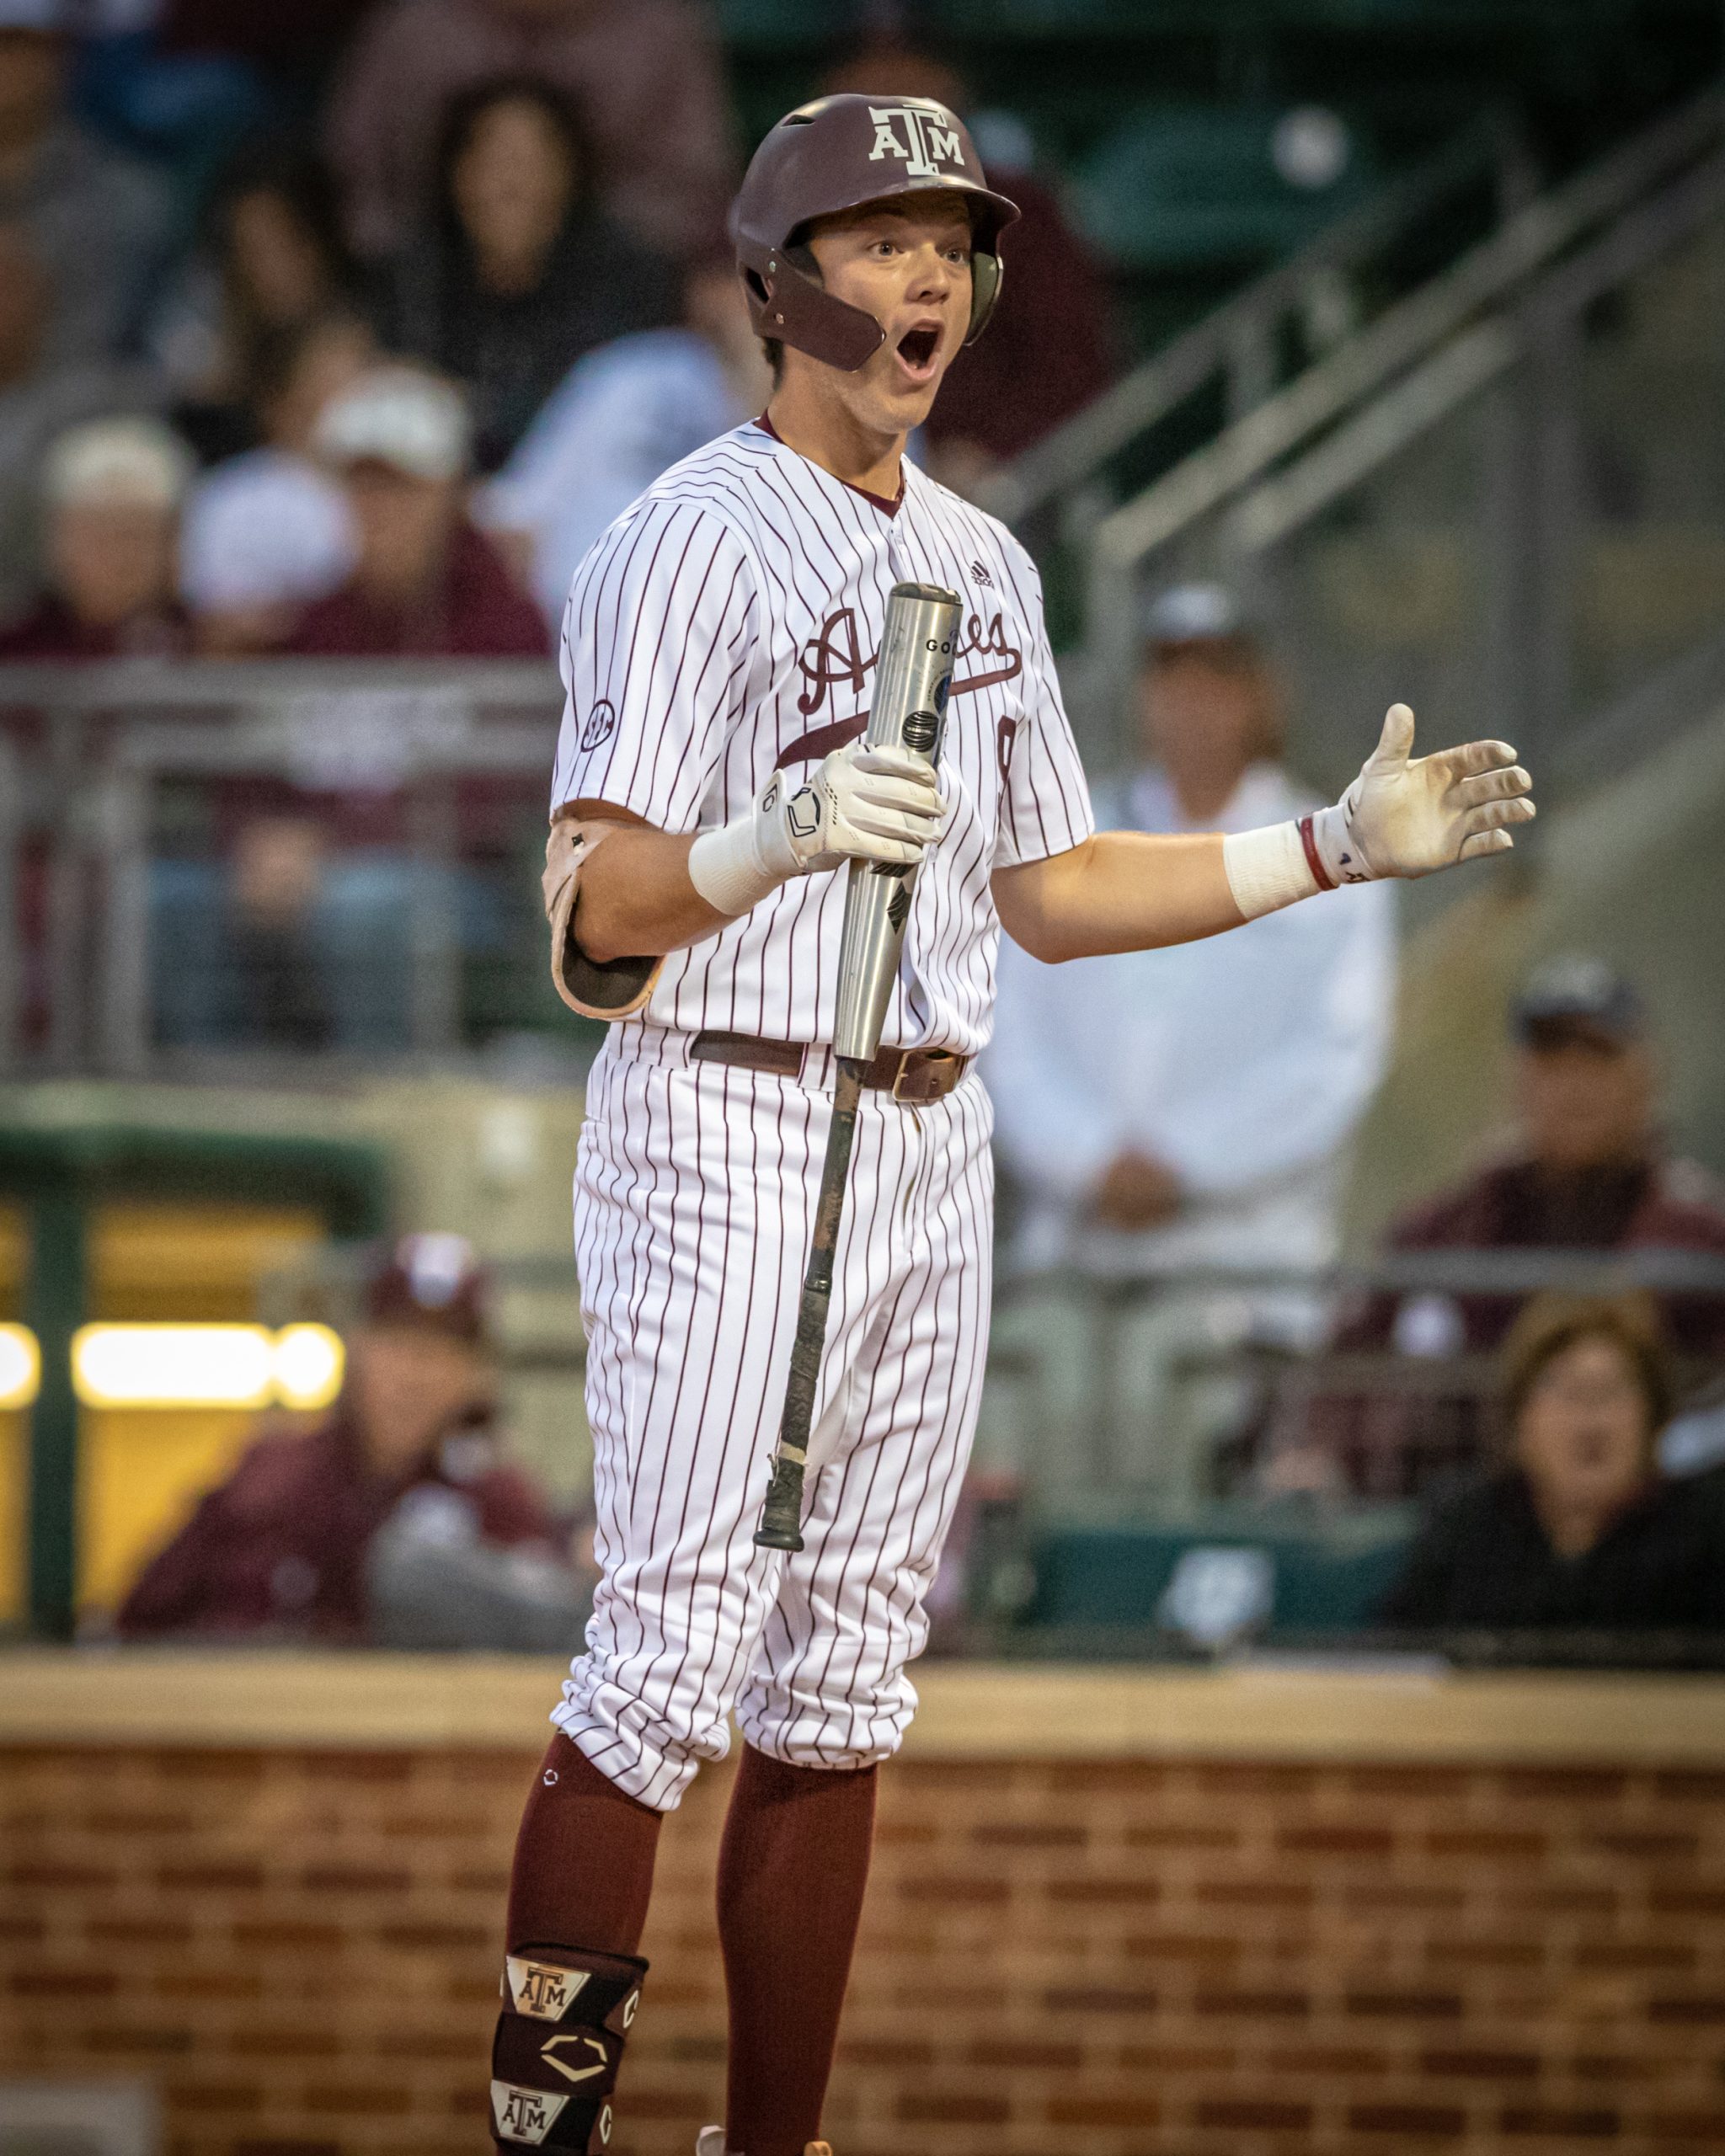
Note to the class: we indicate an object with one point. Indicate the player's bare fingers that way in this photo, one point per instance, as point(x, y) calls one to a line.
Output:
point(1484, 842)
point(1492, 785)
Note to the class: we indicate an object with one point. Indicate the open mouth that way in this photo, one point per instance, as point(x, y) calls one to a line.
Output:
point(917, 349)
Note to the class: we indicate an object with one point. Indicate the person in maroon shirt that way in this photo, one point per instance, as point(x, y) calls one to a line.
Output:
point(1590, 1175)
point(283, 1547)
point(111, 492)
point(427, 583)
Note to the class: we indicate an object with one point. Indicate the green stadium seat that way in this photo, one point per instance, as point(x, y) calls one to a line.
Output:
point(1186, 186)
point(1325, 1578)
point(779, 24)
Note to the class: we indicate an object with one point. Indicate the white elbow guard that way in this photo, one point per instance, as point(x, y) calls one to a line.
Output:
point(616, 990)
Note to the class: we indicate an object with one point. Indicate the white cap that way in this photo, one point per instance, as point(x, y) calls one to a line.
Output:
point(141, 462)
point(1194, 613)
point(398, 416)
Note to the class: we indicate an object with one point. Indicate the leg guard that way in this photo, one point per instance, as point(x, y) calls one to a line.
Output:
point(559, 2043)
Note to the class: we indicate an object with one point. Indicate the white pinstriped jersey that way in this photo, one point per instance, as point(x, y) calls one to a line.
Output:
point(728, 625)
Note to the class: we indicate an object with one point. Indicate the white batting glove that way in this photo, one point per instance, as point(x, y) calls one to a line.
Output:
point(859, 804)
point(1404, 815)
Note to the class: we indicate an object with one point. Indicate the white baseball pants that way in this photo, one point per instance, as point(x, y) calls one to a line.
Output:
point(694, 1196)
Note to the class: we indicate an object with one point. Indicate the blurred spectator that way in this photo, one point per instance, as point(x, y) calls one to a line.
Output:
point(1579, 1531)
point(272, 261)
point(1192, 1107)
point(519, 272)
point(112, 491)
point(99, 214)
point(1049, 350)
point(270, 530)
point(39, 399)
point(297, 937)
point(426, 583)
point(1589, 1173)
point(184, 110)
point(276, 878)
point(647, 75)
point(286, 1547)
point(625, 415)
point(295, 45)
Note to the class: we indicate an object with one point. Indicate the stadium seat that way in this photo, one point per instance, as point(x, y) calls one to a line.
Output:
point(1179, 186)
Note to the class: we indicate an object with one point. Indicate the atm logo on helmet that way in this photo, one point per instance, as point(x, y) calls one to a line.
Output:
point(931, 141)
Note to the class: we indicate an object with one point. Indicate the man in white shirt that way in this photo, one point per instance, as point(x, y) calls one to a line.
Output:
point(1191, 1106)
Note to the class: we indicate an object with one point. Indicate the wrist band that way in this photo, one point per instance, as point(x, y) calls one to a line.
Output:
point(1282, 863)
point(1269, 868)
point(1314, 859)
point(726, 868)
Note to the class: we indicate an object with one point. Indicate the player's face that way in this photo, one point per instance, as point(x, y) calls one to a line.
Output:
point(907, 263)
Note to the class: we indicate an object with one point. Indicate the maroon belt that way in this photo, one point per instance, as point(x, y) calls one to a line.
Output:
point(916, 1075)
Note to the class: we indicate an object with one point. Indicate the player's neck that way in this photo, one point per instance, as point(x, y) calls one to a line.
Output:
point(831, 436)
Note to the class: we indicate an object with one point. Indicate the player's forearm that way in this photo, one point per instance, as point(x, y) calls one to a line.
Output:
point(1118, 891)
point(637, 901)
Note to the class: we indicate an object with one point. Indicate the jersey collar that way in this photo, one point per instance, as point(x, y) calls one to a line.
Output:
point(876, 501)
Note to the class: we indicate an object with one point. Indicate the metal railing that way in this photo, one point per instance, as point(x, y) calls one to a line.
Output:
point(1235, 346)
point(87, 751)
point(1094, 1385)
point(1517, 299)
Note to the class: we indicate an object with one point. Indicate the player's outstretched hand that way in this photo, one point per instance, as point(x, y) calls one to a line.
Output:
point(861, 805)
point(1406, 815)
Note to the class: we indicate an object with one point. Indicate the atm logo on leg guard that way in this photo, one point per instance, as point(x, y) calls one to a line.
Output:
point(541, 1989)
point(523, 2114)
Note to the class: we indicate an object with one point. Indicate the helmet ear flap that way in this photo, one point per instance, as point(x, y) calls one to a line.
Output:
point(985, 278)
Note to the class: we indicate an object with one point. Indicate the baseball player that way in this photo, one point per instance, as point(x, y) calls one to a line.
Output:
point(717, 650)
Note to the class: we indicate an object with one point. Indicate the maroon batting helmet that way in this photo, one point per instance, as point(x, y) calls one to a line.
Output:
point(836, 154)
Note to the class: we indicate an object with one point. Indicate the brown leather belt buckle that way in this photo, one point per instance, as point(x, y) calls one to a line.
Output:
point(923, 1076)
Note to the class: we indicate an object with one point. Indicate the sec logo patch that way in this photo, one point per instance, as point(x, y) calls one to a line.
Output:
point(602, 724)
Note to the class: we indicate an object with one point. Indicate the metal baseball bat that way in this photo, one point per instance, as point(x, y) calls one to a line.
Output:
point(911, 681)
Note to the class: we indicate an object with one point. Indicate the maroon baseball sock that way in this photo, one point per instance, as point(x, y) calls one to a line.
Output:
point(792, 1868)
point(583, 1870)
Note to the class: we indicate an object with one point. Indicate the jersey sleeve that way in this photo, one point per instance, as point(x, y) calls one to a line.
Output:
point(657, 642)
point(1045, 799)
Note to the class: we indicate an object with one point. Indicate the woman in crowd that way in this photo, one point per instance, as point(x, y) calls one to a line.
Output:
point(519, 271)
point(1578, 1531)
point(272, 260)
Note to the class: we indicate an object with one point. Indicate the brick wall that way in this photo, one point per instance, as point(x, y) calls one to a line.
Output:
point(1096, 1960)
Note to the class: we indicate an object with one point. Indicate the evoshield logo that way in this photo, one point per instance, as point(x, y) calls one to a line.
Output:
point(594, 2049)
point(932, 140)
